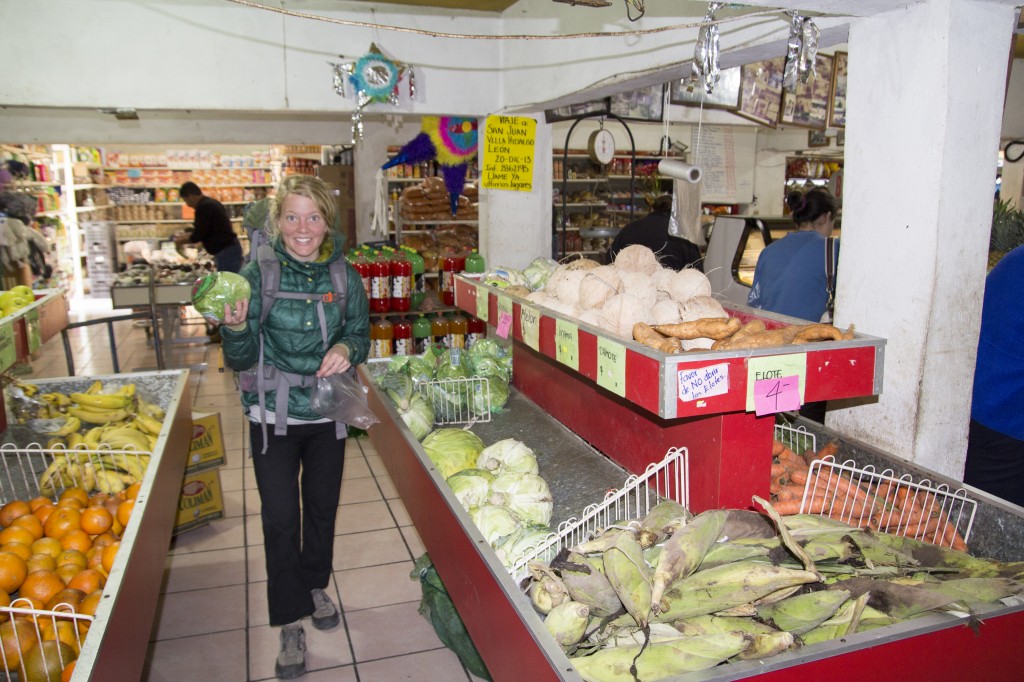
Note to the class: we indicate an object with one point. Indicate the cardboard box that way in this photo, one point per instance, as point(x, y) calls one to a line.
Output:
point(200, 501)
point(207, 448)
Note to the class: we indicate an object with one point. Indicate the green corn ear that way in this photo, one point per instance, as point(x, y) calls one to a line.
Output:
point(589, 585)
point(804, 612)
point(567, 622)
point(684, 550)
point(664, 519)
point(767, 644)
point(661, 660)
point(630, 576)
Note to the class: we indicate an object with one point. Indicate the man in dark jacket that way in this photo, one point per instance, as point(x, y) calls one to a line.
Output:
point(212, 228)
point(652, 231)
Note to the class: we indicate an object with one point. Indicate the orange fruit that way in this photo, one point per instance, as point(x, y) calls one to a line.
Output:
point(68, 571)
point(19, 548)
point(61, 521)
point(37, 502)
point(31, 523)
point(13, 570)
point(124, 511)
point(98, 499)
point(76, 539)
point(43, 513)
point(47, 545)
point(104, 539)
point(44, 662)
point(96, 520)
point(88, 607)
point(60, 629)
point(69, 596)
point(13, 510)
point(76, 493)
point(40, 586)
point(88, 581)
point(41, 561)
point(95, 557)
point(72, 556)
point(17, 637)
point(133, 490)
point(69, 670)
point(17, 534)
point(109, 554)
point(5, 600)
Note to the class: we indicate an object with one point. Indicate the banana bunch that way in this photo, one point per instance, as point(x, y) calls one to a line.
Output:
point(66, 471)
point(732, 585)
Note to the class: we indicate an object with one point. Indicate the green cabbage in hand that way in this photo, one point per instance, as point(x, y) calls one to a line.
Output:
point(212, 292)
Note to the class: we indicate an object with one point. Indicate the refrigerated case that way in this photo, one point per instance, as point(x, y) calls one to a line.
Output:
point(734, 245)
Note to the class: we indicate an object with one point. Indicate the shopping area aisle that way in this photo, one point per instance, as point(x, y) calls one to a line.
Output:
point(211, 622)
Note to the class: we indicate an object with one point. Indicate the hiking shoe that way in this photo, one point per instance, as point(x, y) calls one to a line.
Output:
point(326, 615)
point(291, 661)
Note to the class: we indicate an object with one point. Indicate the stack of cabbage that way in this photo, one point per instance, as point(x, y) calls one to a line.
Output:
point(534, 277)
point(668, 594)
point(498, 485)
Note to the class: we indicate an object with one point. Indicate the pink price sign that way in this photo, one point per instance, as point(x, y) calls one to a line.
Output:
point(504, 324)
point(776, 395)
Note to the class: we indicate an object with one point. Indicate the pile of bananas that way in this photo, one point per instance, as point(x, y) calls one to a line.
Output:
point(108, 434)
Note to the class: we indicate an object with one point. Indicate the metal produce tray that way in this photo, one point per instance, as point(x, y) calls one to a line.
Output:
point(115, 648)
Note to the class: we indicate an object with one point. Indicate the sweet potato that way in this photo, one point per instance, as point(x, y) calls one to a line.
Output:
point(762, 339)
point(749, 328)
point(822, 332)
point(646, 335)
point(704, 328)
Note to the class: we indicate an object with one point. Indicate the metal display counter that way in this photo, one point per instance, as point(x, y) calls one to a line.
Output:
point(115, 647)
point(631, 402)
point(511, 636)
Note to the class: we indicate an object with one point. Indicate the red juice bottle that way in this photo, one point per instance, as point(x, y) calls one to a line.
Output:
point(380, 284)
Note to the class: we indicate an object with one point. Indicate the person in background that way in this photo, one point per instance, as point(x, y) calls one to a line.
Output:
point(212, 228)
point(652, 231)
point(995, 441)
point(298, 465)
point(791, 277)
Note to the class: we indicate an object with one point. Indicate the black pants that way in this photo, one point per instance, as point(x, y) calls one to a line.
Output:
point(995, 463)
point(299, 550)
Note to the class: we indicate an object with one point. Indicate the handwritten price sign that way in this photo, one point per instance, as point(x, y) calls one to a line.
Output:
point(776, 383)
point(776, 395)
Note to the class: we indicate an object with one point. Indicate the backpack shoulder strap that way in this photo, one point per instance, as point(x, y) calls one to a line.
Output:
point(270, 276)
point(339, 279)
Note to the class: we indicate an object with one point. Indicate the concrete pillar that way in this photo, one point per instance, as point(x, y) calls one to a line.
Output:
point(926, 88)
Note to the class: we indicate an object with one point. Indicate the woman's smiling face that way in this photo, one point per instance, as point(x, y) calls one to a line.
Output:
point(302, 227)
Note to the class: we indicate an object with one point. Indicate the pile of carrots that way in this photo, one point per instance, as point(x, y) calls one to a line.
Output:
point(893, 507)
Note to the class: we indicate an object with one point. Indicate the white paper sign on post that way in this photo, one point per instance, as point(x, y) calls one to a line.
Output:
point(703, 382)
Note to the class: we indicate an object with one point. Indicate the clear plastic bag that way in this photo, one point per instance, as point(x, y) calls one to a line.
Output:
point(342, 398)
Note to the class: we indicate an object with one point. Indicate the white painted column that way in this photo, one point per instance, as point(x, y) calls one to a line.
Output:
point(926, 89)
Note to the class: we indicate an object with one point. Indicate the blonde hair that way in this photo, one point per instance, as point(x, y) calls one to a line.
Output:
point(311, 187)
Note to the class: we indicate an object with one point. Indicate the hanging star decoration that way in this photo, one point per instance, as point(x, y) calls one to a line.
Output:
point(451, 141)
point(373, 79)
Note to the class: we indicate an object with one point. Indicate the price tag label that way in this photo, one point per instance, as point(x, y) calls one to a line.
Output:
point(8, 350)
point(504, 324)
point(567, 343)
point(529, 322)
point(703, 382)
point(35, 341)
point(611, 366)
point(776, 395)
point(776, 367)
point(482, 302)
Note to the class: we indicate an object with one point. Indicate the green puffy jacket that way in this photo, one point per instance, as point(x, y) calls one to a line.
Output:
point(292, 339)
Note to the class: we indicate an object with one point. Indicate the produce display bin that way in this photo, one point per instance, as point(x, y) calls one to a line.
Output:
point(632, 402)
point(511, 636)
point(116, 645)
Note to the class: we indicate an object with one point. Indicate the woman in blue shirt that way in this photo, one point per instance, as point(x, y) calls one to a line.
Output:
point(790, 277)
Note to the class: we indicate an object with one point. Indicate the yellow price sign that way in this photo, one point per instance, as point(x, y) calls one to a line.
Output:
point(567, 344)
point(611, 366)
point(529, 324)
point(508, 153)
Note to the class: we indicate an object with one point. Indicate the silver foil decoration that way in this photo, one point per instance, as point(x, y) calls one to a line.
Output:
point(801, 51)
point(373, 78)
point(706, 68)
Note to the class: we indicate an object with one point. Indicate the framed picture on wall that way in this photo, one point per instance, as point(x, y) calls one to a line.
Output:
point(645, 104)
point(808, 105)
point(597, 106)
point(761, 91)
point(725, 95)
point(837, 107)
point(817, 138)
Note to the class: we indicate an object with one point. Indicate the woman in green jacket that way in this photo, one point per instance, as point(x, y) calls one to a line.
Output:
point(308, 330)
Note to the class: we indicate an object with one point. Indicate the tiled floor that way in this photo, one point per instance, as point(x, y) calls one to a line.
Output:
point(211, 623)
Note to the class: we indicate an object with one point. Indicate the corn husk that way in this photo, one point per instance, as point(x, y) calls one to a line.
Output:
point(567, 622)
point(661, 660)
point(630, 576)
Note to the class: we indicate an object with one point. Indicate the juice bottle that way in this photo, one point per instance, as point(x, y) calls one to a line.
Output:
point(362, 266)
point(382, 336)
point(475, 262)
point(476, 329)
point(457, 328)
point(380, 284)
point(421, 334)
point(438, 331)
point(451, 265)
point(403, 337)
point(401, 281)
point(419, 282)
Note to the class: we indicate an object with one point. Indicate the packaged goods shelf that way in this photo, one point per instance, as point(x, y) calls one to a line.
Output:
point(116, 644)
point(514, 643)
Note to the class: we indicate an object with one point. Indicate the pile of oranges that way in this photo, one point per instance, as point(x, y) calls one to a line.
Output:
point(55, 556)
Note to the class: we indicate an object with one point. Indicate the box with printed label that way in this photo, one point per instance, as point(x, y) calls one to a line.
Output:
point(207, 448)
point(200, 501)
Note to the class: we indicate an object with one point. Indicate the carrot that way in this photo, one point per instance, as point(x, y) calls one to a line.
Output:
point(791, 492)
point(779, 469)
point(716, 328)
point(798, 476)
point(777, 447)
point(646, 335)
point(815, 505)
point(792, 460)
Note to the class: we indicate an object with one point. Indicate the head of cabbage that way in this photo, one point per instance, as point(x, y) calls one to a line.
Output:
point(212, 292)
point(526, 494)
point(491, 394)
point(508, 455)
point(496, 524)
point(472, 487)
point(452, 450)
